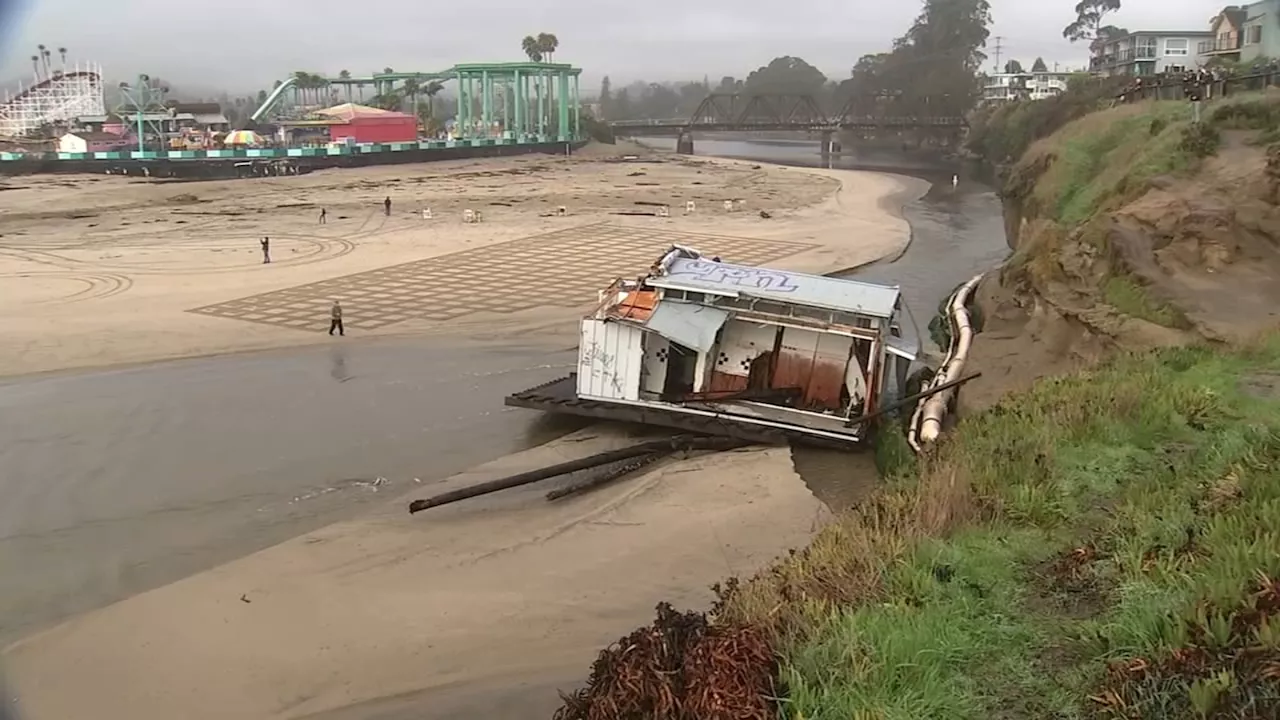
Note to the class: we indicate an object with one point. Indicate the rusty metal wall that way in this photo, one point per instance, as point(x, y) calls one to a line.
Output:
point(814, 362)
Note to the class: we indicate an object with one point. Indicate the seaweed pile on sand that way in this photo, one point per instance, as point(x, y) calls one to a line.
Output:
point(682, 667)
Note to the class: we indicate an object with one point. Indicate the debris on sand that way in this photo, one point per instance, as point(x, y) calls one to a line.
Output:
point(682, 667)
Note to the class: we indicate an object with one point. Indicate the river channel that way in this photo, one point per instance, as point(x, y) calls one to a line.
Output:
point(117, 481)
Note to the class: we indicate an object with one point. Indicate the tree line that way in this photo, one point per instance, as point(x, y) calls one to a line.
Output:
point(932, 70)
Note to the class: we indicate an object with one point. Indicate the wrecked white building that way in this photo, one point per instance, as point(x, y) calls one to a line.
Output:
point(759, 353)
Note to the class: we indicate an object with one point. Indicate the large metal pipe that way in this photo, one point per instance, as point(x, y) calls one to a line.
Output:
point(927, 422)
point(624, 468)
point(681, 442)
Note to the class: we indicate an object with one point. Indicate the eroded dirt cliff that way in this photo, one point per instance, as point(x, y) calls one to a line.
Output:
point(1131, 229)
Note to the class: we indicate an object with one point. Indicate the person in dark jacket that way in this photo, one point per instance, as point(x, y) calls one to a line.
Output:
point(335, 319)
point(266, 250)
point(386, 205)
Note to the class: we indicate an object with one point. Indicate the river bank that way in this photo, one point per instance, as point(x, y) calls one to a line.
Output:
point(1096, 537)
point(358, 610)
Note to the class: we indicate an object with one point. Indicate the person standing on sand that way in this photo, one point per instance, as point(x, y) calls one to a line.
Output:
point(335, 319)
point(324, 214)
point(386, 205)
point(266, 250)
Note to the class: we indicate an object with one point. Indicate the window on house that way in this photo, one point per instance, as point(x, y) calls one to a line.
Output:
point(1254, 36)
point(1176, 46)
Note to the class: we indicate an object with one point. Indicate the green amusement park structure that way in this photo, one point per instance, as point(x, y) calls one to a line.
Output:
point(501, 106)
point(534, 100)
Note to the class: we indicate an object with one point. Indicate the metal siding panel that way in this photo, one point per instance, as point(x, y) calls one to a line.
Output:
point(794, 364)
point(610, 358)
point(741, 343)
point(694, 326)
point(654, 366)
point(782, 286)
point(829, 364)
point(631, 363)
point(586, 343)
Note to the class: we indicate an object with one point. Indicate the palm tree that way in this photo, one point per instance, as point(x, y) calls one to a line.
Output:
point(63, 52)
point(35, 64)
point(47, 54)
point(430, 90)
point(346, 75)
point(300, 87)
point(547, 44)
point(411, 89)
point(531, 48)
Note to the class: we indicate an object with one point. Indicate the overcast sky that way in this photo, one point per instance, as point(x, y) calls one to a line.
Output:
point(242, 45)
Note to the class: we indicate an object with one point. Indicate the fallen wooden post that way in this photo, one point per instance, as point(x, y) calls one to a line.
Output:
point(680, 442)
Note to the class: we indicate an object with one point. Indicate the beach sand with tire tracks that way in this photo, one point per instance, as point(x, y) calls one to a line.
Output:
point(386, 614)
point(103, 270)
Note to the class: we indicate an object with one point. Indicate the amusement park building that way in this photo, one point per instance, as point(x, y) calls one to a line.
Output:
point(88, 142)
point(369, 125)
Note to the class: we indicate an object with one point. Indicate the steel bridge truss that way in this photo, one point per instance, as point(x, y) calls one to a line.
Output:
point(742, 111)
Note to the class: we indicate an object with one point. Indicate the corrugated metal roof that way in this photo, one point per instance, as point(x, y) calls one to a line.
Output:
point(351, 111)
point(694, 326)
point(702, 275)
point(211, 119)
point(903, 347)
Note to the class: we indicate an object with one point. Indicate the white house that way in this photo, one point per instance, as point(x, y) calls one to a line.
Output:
point(1000, 87)
point(86, 141)
point(1146, 52)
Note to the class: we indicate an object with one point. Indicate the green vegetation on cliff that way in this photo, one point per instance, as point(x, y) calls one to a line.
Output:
point(1108, 542)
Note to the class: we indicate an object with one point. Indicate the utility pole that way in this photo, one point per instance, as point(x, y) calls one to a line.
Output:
point(999, 48)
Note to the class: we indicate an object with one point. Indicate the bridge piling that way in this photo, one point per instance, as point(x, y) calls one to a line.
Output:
point(684, 143)
point(830, 146)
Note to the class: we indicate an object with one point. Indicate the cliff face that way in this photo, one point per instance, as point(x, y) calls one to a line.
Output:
point(1133, 228)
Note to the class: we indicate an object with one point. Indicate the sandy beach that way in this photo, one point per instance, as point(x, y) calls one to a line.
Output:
point(477, 609)
point(106, 270)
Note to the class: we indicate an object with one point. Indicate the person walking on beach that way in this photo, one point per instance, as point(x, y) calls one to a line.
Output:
point(386, 205)
point(324, 215)
point(335, 319)
point(266, 250)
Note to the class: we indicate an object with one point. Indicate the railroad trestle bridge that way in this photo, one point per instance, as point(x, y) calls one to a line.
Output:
point(753, 112)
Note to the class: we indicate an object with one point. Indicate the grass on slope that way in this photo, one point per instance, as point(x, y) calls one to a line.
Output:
point(1105, 545)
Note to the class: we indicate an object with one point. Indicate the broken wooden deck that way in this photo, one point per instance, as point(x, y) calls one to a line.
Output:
point(560, 396)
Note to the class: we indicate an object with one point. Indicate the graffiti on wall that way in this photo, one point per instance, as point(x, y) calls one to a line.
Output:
point(601, 364)
point(719, 274)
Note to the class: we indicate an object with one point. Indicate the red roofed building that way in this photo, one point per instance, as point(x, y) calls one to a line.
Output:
point(369, 125)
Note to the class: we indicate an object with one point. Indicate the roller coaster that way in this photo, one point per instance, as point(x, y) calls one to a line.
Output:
point(57, 99)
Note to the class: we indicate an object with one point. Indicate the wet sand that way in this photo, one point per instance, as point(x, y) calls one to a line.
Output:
point(121, 481)
point(133, 478)
point(508, 586)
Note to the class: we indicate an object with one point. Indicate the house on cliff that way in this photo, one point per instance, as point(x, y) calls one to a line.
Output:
point(1145, 53)
point(1243, 33)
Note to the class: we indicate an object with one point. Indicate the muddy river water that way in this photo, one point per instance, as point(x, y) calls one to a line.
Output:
point(117, 481)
